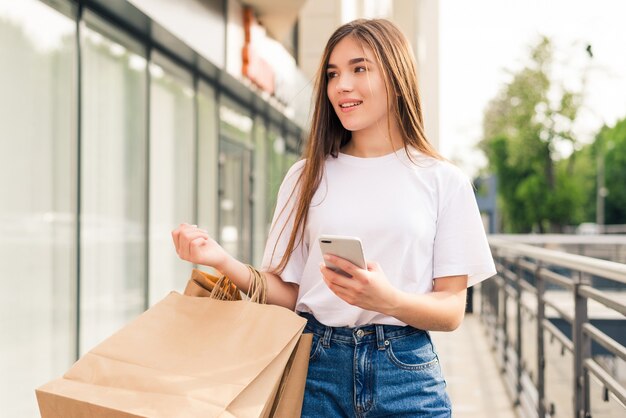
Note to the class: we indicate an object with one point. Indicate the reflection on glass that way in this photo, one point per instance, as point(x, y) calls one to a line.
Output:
point(235, 214)
point(235, 121)
point(113, 182)
point(276, 168)
point(172, 163)
point(290, 159)
point(261, 226)
point(207, 159)
point(37, 201)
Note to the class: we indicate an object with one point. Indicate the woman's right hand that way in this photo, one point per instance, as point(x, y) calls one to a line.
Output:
point(196, 246)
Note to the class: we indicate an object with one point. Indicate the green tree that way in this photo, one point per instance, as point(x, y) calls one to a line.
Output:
point(611, 142)
point(579, 174)
point(522, 128)
point(581, 169)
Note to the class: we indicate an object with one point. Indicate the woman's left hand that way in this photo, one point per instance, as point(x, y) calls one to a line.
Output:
point(367, 288)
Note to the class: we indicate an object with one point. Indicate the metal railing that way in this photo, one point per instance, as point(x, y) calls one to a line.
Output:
point(524, 273)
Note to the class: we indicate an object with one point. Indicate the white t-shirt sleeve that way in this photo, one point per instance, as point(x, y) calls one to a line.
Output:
point(283, 220)
point(461, 246)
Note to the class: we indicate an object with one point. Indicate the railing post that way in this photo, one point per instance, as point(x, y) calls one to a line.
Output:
point(495, 307)
point(541, 360)
point(504, 320)
point(495, 313)
point(518, 340)
point(582, 350)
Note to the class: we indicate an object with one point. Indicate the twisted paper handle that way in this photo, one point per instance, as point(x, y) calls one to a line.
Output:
point(223, 289)
point(257, 289)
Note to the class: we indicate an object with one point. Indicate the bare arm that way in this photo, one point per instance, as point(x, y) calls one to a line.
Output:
point(196, 246)
point(278, 291)
point(441, 310)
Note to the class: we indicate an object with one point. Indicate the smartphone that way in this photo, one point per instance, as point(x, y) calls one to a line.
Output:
point(349, 248)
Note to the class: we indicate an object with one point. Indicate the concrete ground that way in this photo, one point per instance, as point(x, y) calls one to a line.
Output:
point(474, 383)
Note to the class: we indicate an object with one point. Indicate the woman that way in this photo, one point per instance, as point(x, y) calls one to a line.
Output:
point(369, 172)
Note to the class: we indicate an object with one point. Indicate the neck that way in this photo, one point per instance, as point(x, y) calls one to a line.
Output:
point(373, 143)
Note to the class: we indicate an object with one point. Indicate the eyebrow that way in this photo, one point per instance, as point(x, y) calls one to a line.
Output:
point(351, 62)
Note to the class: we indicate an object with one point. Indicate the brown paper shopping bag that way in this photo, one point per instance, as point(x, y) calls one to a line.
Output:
point(190, 357)
point(288, 400)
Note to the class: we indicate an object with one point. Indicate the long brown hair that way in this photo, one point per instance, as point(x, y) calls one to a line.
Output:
point(395, 59)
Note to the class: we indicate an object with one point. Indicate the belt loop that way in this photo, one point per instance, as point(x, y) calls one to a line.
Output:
point(380, 337)
point(328, 332)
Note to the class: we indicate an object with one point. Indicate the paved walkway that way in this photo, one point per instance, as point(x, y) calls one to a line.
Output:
point(474, 383)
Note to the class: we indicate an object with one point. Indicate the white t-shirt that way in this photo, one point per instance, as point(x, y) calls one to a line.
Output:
point(418, 222)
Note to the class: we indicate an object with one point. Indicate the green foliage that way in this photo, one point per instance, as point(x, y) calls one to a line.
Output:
point(612, 142)
point(579, 175)
point(522, 127)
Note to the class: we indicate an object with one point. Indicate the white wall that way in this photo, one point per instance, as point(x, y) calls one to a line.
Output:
point(318, 20)
point(428, 65)
point(197, 23)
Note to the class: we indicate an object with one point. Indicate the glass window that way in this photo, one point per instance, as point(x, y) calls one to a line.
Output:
point(235, 121)
point(235, 199)
point(260, 190)
point(207, 159)
point(172, 172)
point(276, 172)
point(235, 178)
point(113, 182)
point(292, 153)
point(37, 199)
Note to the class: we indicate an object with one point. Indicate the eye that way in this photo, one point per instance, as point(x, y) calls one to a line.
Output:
point(360, 69)
point(331, 74)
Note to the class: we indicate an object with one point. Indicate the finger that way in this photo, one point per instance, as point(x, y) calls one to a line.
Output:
point(177, 232)
point(334, 279)
point(190, 234)
point(357, 274)
point(342, 293)
point(193, 245)
point(186, 239)
point(342, 263)
point(187, 227)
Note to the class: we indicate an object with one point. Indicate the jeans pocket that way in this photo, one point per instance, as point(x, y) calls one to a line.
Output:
point(413, 352)
point(316, 348)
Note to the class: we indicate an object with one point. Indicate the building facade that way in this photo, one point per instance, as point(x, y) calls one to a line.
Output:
point(118, 121)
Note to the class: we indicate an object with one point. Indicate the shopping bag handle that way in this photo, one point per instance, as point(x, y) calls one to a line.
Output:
point(222, 288)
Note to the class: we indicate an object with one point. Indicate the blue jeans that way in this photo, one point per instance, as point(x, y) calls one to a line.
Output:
point(373, 371)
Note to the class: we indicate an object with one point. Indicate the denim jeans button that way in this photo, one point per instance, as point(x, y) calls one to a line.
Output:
point(360, 333)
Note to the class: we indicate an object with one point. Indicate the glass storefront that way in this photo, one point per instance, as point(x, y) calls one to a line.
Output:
point(276, 168)
point(106, 145)
point(292, 153)
point(112, 181)
point(37, 200)
point(172, 172)
point(207, 158)
point(234, 198)
point(261, 149)
point(235, 177)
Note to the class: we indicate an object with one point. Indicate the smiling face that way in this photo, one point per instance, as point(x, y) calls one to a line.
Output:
point(356, 87)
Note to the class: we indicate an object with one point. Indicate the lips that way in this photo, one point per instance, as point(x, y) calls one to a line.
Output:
point(351, 104)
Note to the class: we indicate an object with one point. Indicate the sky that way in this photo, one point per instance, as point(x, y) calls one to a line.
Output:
point(481, 39)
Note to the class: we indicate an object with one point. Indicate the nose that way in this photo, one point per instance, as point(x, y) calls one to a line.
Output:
point(344, 83)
